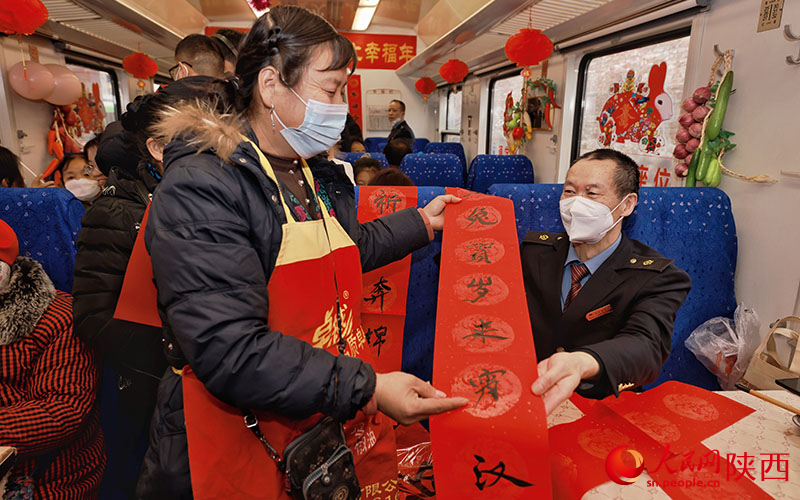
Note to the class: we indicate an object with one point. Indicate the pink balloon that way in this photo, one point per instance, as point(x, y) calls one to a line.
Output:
point(38, 84)
point(68, 87)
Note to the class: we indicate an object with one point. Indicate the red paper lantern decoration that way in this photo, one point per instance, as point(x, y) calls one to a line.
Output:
point(529, 47)
point(22, 17)
point(454, 70)
point(140, 65)
point(425, 86)
point(260, 5)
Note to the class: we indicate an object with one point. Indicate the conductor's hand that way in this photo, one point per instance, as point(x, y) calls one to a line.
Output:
point(435, 210)
point(408, 399)
point(560, 374)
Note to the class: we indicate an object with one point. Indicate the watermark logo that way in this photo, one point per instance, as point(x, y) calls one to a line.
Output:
point(619, 472)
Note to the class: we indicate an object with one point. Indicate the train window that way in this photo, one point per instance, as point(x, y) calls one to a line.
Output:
point(499, 89)
point(107, 83)
point(452, 132)
point(630, 100)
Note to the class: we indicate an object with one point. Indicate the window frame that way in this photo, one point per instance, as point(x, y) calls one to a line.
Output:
point(580, 91)
point(447, 131)
point(502, 74)
point(110, 71)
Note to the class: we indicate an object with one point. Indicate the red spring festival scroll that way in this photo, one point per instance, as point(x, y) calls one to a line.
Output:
point(385, 289)
point(497, 445)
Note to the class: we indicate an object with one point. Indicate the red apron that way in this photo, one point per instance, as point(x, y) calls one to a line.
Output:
point(225, 458)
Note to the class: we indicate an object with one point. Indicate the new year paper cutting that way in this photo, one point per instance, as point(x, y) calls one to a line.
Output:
point(496, 446)
point(385, 290)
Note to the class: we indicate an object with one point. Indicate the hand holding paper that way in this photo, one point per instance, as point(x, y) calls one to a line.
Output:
point(435, 210)
point(560, 374)
point(408, 399)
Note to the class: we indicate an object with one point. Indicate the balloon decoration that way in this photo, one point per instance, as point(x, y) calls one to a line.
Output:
point(425, 86)
point(454, 70)
point(31, 80)
point(67, 87)
point(529, 47)
point(22, 17)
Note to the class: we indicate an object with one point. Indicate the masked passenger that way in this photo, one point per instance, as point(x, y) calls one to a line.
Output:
point(76, 174)
point(257, 258)
point(602, 305)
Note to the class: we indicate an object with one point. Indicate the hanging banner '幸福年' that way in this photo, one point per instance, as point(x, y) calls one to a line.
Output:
point(382, 51)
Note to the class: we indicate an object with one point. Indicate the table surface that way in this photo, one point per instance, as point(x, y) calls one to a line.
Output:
point(767, 430)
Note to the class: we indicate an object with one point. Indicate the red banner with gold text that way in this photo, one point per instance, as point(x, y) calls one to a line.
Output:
point(497, 445)
point(385, 290)
point(382, 51)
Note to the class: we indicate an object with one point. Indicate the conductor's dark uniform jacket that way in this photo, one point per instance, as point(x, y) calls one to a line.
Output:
point(623, 314)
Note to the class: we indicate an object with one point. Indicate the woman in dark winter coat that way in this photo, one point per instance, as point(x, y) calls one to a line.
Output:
point(132, 353)
point(257, 260)
point(47, 385)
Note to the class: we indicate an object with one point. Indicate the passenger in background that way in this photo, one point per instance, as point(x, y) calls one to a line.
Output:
point(400, 129)
point(197, 55)
point(132, 352)
point(90, 150)
point(365, 168)
point(76, 175)
point(48, 385)
point(395, 151)
point(10, 176)
point(353, 145)
point(229, 46)
point(115, 151)
point(602, 305)
point(391, 177)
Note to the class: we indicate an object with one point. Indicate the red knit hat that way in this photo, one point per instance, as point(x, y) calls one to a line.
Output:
point(9, 246)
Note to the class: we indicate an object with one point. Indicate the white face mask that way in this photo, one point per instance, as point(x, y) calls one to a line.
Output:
point(585, 220)
point(84, 189)
point(321, 128)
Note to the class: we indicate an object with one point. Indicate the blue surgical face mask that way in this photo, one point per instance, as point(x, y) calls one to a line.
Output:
point(321, 128)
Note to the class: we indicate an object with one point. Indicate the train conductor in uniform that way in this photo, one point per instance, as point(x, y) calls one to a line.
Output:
point(400, 128)
point(602, 305)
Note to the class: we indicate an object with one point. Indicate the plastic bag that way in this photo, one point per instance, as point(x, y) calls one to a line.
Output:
point(725, 347)
point(414, 463)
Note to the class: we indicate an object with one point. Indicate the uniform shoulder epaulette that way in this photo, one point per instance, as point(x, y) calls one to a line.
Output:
point(657, 264)
point(542, 237)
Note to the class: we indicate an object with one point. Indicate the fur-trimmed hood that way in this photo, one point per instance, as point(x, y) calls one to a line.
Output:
point(27, 297)
point(202, 127)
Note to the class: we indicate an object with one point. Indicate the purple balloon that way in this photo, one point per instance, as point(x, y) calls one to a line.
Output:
point(37, 84)
point(67, 88)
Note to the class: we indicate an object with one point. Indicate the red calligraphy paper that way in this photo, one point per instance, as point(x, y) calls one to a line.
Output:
point(138, 298)
point(382, 51)
point(581, 450)
point(678, 414)
point(496, 446)
point(354, 100)
point(385, 290)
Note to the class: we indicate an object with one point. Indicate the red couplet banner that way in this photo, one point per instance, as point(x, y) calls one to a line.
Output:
point(354, 99)
point(382, 51)
point(497, 445)
point(385, 290)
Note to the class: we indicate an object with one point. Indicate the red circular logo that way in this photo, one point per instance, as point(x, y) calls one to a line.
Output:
point(619, 472)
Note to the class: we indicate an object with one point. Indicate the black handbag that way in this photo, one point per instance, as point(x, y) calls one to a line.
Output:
point(318, 464)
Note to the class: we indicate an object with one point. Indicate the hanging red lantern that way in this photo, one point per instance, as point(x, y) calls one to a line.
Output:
point(425, 86)
point(260, 5)
point(454, 70)
point(140, 65)
point(529, 47)
point(22, 17)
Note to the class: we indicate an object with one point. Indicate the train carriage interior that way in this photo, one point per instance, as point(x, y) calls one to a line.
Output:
point(503, 96)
